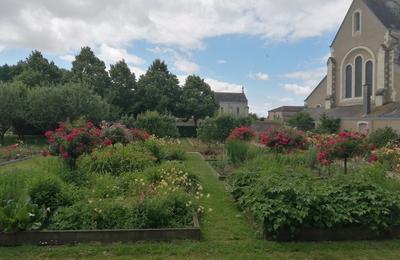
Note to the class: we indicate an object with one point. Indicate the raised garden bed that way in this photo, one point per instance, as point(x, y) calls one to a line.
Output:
point(51, 237)
point(338, 234)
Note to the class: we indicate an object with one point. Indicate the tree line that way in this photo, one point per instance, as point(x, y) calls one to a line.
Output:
point(36, 94)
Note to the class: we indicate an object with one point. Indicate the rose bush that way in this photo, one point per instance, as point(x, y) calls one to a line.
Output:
point(283, 139)
point(243, 133)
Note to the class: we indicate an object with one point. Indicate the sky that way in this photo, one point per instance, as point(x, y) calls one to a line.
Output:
point(276, 50)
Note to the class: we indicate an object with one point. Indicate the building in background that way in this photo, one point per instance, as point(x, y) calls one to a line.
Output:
point(362, 86)
point(284, 113)
point(232, 103)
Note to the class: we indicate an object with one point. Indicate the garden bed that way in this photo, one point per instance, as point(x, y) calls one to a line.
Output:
point(52, 237)
point(337, 234)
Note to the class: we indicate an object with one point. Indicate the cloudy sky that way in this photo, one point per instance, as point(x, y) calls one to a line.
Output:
point(277, 50)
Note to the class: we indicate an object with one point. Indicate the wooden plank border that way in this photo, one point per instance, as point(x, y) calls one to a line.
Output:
point(53, 237)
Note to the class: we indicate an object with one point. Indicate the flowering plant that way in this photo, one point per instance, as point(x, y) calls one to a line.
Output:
point(390, 155)
point(283, 139)
point(119, 133)
point(243, 133)
point(344, 145)
point(70, 143)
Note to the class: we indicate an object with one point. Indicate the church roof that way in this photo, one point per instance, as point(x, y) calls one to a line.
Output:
point(288, 109)
point(387, 11)
point(230, 97)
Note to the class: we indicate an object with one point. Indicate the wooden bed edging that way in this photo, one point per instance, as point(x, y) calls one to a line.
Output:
point(63, 237)
point(4, 163)
point(338, 234)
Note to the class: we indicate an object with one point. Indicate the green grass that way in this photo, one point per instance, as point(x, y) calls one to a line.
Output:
point(226, 235)
point(32, 140)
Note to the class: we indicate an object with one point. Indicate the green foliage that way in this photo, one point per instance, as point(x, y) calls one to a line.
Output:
point(383, 136)
point(197, 100)
point(167, 211)
point(157, 124)
point(286, 196)
point(302, 121)
point(217, 129)
point(48, 192)
point(91, 71)
point(19, 215)
point(157, 90)
point(328, 125)
point(123, 82)
point(117, 159)
point(237, 151)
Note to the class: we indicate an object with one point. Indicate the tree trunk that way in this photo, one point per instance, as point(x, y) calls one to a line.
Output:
point(2, 141)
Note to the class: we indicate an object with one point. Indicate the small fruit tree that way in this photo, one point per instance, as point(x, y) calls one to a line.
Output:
point(344, 146)
point(283, 139)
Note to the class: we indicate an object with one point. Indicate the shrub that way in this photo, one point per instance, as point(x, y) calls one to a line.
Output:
point(302, 121)
point(241, 133)
point(164, 149)
point(293, 201)
point(117, 159)
point(47, 192)
point(237, 151)
point(217, 129)
point(118, 133)
point(20, 215)
point(383, 136)
point(328, 125)
point(70, 143)
point(283, 139)
point(158, 125)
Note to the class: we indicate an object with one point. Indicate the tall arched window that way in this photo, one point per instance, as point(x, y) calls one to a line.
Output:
point(349, 81)
point(357, 22)
point(358, 77)
point(369, 69)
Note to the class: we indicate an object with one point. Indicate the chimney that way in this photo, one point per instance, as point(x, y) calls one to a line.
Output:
point(367, 99)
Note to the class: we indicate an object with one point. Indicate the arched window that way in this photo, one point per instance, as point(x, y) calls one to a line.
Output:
point(349, 81)
point(358, 77)
point(357, 22)
point(369, 68)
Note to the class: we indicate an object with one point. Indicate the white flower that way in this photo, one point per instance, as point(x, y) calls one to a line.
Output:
point(31, 214)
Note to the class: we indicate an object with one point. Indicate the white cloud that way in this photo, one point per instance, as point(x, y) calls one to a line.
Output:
point(221, 61)
point(138, 71)
point(259, 76)
point(1, 48)
point(68, 57)
point(62, 27)
point(112, 55)
point(306, 81)
point(216, 85)
point(186, 66)
point(297, 89)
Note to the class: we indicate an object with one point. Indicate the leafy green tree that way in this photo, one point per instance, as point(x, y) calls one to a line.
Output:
point(328, 125)
point(91, 71)
point(383, 136)
point(11, 103)
point(8, 73)
point(38, 71)
point(157, 90)
point(123, 85)
point(157, 124)
point(302, 121)
point(197, 99)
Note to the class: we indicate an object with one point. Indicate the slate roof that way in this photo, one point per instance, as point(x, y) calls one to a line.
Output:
point(288, 109)
point(230, 97)
point(388, 111)
point(387, 11)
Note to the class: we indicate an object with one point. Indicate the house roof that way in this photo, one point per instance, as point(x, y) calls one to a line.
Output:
point(315, 89)
point(288, 109)
point(388, 111)
point(230, 97)
point(387, 12)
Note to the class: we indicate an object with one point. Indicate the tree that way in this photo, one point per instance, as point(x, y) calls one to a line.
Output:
point(158, 125)
point(37, 71)
point(157, 90)
point(302, 121)
point(328, 125)
point(8, 73)
point(91, 71)
point(123, 83)
point(10, 106)
point(197, 99)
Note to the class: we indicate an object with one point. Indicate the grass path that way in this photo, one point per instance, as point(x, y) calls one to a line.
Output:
point(226, 235)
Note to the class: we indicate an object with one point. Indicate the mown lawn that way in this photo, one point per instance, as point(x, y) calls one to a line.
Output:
point(226, 235)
